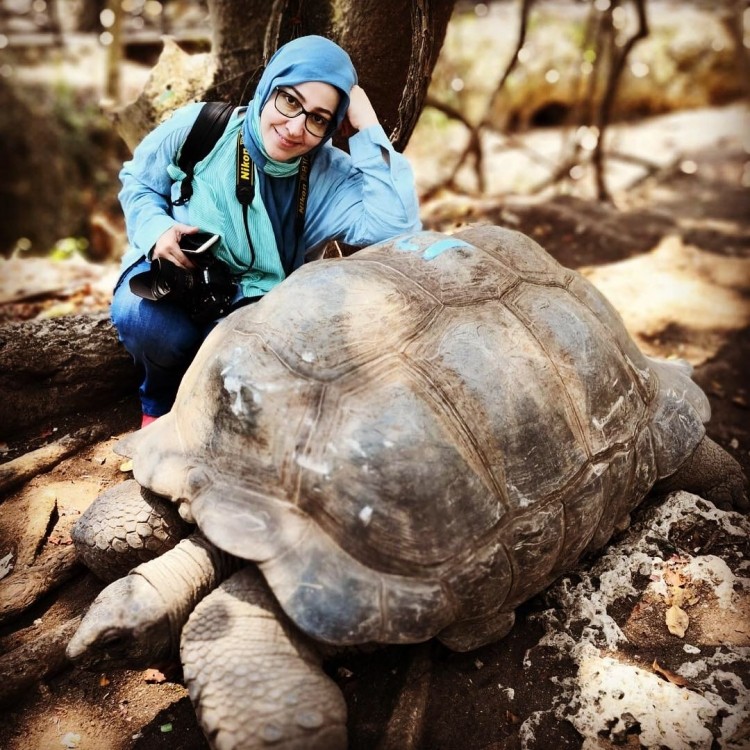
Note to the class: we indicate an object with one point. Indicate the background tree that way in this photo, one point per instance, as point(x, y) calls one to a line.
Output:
point(394, 45)
point(88, 16)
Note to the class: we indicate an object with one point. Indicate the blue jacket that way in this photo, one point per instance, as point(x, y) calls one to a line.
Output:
point(359, 198)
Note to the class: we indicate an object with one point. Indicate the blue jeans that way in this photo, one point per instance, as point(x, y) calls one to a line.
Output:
point(161, 338)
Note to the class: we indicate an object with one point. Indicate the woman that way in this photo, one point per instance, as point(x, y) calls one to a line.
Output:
point(307, 91)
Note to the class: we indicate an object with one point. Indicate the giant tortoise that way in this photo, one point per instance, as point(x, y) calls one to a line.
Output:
point(403, 444)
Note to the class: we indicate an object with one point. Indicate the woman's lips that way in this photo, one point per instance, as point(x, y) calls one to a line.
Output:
point(285, 142)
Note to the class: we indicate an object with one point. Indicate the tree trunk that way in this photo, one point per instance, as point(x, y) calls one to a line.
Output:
point(50, 368)
point(87, 16)
point(239, 30)
point(113, 83)
point(24, 468)
point(26, 587)
point(394, 45)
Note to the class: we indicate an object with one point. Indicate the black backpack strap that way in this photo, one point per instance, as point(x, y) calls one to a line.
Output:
point(207, 129)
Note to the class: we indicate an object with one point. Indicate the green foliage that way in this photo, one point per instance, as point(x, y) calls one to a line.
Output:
point(69, 247)
point(87, 138)
point(61, 156)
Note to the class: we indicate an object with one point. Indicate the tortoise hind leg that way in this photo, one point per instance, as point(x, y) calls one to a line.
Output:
point(466, 635)
point(254, 681)
point(713, 474)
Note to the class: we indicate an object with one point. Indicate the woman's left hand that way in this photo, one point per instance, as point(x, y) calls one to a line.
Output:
point(360, 114)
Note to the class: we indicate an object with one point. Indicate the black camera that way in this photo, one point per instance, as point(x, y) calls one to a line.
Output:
point(205, 291)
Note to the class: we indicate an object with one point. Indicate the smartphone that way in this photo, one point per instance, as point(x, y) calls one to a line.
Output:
point(193, 244)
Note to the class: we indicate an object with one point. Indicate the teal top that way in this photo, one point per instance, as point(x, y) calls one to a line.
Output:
point(214, 208)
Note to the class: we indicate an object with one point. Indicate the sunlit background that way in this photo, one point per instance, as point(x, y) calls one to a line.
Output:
point(682, 88)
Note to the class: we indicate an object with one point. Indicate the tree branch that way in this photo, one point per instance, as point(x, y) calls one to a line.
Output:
point(42, 657)
point(605, 107)
point(474, 146)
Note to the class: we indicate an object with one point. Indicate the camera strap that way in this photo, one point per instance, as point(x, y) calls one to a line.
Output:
point(245, 188)
point(208, 128)
point(245, 192)
point(203, 136)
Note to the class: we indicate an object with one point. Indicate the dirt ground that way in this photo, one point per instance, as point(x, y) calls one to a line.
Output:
point(518, 693)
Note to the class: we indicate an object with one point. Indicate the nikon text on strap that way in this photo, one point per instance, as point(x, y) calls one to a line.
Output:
point(245, 188)
point(203, 136)
point(245, 192)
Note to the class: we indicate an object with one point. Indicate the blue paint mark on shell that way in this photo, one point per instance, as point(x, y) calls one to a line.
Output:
point(442, 245)
point(431, 251)
point(407, 245)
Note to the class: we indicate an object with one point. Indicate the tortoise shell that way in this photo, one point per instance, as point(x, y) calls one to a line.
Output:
point(413, 440)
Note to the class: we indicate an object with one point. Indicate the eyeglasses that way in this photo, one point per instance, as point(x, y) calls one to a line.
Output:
point(288, 106)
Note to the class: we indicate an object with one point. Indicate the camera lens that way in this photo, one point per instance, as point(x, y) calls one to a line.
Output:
point(160, 287)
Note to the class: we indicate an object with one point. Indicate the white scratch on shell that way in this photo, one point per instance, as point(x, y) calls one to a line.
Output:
point(356, 447)
point(233, 386)
point(600, 424)
point(319, 467)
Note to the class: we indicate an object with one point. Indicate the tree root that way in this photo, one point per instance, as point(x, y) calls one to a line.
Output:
point(24, 588)
point(406, 725)
point(42, 657)
point(20, 470)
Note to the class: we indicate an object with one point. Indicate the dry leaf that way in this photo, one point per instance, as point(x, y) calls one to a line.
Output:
point(103, 681)
point(154, 675)
point(674, 678)
point(677, 621)
point(673, 577)
point(676, 596)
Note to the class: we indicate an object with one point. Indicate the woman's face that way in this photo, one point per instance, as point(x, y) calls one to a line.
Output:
point(286, 137)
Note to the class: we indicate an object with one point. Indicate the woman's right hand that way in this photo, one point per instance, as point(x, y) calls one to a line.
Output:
point(168, 246)
point(360, 114)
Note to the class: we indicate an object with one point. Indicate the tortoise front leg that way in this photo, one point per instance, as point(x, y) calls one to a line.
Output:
point(253, 678)
point(136, 621)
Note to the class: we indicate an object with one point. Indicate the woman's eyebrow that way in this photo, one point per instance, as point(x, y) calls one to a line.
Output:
point(304, 101)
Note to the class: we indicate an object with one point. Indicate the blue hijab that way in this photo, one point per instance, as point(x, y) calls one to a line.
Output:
point(308, 58)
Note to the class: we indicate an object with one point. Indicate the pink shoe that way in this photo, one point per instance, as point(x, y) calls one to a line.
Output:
point(147, 419)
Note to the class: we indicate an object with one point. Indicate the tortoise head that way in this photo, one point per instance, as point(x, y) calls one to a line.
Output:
point(127, 625)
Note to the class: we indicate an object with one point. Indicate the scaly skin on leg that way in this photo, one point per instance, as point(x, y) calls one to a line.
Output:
point(125, 526)
point(136, 621)
point(254, 680)
point(714, 475)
